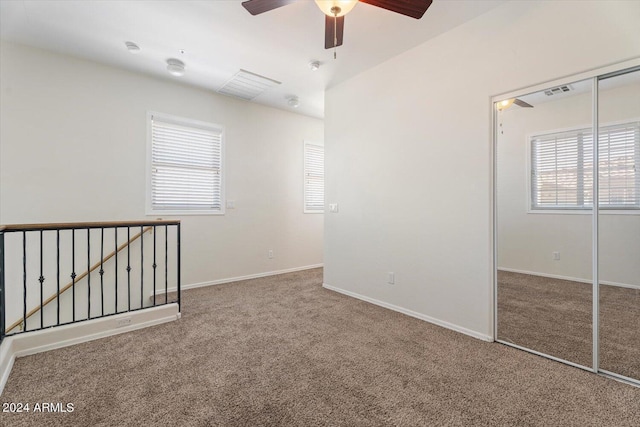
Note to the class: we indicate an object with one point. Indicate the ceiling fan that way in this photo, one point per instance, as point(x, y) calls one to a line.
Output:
point(503, 105)
point(335, 10)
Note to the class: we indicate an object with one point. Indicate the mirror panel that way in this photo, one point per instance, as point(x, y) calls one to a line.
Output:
point(544, 207)
point(619, 224)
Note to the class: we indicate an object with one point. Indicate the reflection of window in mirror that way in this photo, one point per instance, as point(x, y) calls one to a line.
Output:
point(562, 168)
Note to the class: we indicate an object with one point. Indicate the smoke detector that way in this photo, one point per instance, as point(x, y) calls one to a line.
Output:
point(175, 67)
point(293, 101)
point(132, 47)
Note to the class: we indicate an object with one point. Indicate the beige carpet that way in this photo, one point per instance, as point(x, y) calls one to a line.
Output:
point(284, 351)
point(555, 317)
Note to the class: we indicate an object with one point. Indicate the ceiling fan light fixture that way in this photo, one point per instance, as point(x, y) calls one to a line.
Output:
point(175, 67)
point(504, 104)
point(336, 8)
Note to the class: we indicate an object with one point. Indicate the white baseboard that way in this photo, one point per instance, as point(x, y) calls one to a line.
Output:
point(24, 344)
point(571, 279)
point(6, 361)
point(237, 279)
point(412, 313)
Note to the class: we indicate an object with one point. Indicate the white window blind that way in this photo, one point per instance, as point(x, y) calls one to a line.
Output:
point(562, 168)
point(186, 166)
point(313, 178)
point(620, 166)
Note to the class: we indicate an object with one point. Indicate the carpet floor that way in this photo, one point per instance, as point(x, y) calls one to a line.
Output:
point(554, 317)
point(283, 351)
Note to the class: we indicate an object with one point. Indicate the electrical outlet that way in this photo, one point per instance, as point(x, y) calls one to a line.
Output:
point(125, 321)
point(270, 253)
point(556, 256)
point(391, 277)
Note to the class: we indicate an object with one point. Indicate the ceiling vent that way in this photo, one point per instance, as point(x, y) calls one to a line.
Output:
point(558, 90)
point(247, 85)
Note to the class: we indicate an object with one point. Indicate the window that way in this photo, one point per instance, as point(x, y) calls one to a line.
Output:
point(562, 168)
point(185, 166)
point(313, 178)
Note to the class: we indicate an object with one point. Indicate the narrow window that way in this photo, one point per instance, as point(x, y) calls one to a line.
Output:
point(313, 178)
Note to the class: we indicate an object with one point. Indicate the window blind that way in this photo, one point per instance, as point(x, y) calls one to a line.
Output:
point(619, 164)
point(562, 168)
point(313, 178)
point(186, 166)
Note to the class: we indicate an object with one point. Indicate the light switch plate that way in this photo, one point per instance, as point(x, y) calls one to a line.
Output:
point(333, 207)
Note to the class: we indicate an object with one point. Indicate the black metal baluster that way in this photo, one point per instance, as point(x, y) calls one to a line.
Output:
point(154, 265)
point(58, 276)
point(73, 274)
point(129, 268)
point(115, 236)
point(141, 267)
point(24, 280)
point(166, 263)
point(41, 280)
point(178, 266)
point(101, 271)
point(88, 273)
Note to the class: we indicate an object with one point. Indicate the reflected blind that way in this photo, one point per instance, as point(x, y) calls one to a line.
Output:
point(313, 178)
point(186, 166)
point(562, 168)
point(619, 164)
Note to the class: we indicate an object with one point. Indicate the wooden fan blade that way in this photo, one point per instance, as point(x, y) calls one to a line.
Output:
point(329, 34)
point(412, 8)
point(256, 7)
point(521, 103)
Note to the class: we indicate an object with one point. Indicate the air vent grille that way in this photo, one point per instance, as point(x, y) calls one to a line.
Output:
point(247, 85)
point(558, 90)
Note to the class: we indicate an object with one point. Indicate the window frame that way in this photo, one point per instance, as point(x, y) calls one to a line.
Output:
point(586, 210)
point(304, 179)
point(187, 122)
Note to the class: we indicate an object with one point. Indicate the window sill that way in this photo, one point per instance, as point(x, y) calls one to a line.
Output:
point(584, 211)
point(183, 212)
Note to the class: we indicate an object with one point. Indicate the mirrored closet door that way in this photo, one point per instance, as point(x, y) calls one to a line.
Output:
point(544, 171)
point(567, 222)
point(619, 224)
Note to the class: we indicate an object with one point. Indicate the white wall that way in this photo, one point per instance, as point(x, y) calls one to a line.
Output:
point(411, 168)
point(526, 240)
point(73, 148)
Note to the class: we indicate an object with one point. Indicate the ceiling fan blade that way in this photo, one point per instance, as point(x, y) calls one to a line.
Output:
point(256, 7)
point(412, 8)
point(329, 34)
point(521, 103)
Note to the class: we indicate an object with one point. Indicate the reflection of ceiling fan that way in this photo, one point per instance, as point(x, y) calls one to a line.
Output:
point(336, 9)
point(503, 105)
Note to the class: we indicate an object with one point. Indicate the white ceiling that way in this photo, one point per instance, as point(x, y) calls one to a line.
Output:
point(220, 37)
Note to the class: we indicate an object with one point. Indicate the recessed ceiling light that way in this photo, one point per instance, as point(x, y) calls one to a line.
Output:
point(314, 65)
point(175, 67)
point(293, 101)
point(132, 47)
